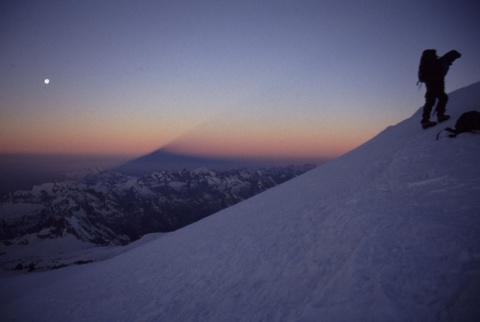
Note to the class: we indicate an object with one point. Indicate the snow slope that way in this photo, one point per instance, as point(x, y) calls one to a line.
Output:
point(387, 232)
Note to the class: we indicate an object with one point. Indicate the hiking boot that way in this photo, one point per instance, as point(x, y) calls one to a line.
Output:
point(426, 124)
point(442, 118)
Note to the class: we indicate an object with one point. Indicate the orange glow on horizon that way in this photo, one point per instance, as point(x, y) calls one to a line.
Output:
point(295, 145)
point(226, 137)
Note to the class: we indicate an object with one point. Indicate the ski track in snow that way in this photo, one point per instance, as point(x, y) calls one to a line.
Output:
point(387, 232)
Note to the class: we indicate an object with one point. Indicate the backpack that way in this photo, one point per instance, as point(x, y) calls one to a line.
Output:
point(427, 66)
point(467, 122)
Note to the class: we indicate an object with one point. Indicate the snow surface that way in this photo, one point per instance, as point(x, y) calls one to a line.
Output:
point(48, 253)
point(387, 232)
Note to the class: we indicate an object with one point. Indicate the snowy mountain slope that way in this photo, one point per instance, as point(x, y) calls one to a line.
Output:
point(387, 232)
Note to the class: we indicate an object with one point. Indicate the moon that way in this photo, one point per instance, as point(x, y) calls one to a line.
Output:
point(47, 81)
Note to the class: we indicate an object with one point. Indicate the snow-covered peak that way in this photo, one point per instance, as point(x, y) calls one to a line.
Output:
point(388, 232)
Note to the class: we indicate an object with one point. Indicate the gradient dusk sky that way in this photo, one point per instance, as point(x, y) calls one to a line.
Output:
point(226, 78)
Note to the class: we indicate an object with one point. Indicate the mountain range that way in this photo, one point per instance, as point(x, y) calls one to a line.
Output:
point(108, 208)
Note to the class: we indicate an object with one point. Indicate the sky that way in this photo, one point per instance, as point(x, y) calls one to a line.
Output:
point(306, 79)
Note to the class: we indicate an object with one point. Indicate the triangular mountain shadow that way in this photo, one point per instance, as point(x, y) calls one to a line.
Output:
point(164, 160)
